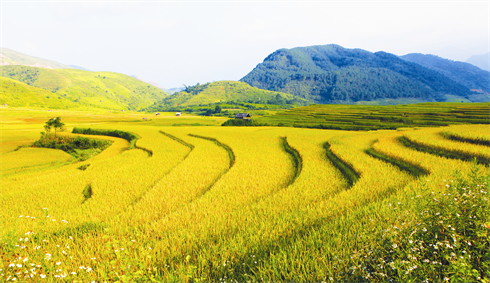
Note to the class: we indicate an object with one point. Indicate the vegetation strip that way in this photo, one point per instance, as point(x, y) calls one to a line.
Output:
point(443, 152)
point(87, 193)
point(130, 137)
point(347, 170)
point(191, 146)
point(184, 143)
point(454, 137)
point(228, 149)
point(403, 165)
point(297, 159)
point(231, 156)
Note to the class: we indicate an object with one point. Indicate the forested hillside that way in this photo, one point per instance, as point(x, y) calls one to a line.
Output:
point(464, 73)
point(333, 74)
point(80, 89)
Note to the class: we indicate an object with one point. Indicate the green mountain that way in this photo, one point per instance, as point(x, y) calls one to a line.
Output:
point(333, 74)
point(223, 92)
point(80, 89)
point(466, 74)
point(11, 57)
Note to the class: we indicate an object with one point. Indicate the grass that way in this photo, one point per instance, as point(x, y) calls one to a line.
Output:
point(439, 151)
point(228, 149)
point(350, 174)
point(413, 169)
point(295, 156)
point(74, 89)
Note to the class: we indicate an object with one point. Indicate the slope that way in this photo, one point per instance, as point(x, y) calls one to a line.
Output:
point(481, 61)
point(11, 57)
point(88, 89)
point(333, 74)
point(18, 94)
point(464, 73)
point(227, 91)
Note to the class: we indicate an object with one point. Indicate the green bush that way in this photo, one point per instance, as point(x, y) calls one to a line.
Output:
point(81, 148)
point(241, 123)
point(130, 137)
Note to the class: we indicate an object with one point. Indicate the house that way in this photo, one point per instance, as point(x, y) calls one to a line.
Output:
point(145, 118)
point(178, 114)
point(242, 116)
point(157, 113)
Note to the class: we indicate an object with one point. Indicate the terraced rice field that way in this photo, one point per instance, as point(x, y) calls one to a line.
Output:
point(218, 203)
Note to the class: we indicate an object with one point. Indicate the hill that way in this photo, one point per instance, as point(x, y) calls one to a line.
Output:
point(82, 89)
point(481, 61)
point(223, 92)
point(18, 94)
point(11, 57)
point(464, 73)
point(333, 74)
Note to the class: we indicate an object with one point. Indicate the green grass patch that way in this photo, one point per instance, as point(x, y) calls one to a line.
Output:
point(350, 175)
point(473, 140)
point(295, 157)
point(443, 152)
point(81, 148)
point(130, 137)
point(403, 165)
point(228, 149)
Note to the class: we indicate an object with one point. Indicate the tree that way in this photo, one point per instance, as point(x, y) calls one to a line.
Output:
point(56, 124)
point(217, 109)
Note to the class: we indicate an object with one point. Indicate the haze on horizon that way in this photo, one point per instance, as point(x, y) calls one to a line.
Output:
point(174, 43)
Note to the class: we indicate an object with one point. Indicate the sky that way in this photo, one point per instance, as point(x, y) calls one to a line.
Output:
point(173, 43)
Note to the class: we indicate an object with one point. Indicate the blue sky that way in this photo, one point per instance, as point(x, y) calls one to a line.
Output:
point(185, 42)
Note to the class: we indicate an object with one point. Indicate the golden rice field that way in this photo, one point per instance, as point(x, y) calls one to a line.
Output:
point(236, 207)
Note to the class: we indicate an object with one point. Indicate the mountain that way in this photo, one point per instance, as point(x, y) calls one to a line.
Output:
point(333, 74)
point(481, 61)
point(153, 84)
point(226, 92)
point(463, 73)
point(76, 88)
point(11, 57)
point(175, 89)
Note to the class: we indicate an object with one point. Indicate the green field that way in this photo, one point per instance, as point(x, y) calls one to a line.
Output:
point(367, 117)
point(185, 199)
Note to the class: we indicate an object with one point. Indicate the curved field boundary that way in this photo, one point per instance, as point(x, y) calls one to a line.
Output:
point(231, 156)
point(453, 137)
point(295, 156)
point(190, 146)
point(228, 149)
point(411, 168)
point(351, 175)
point(184, 143)
point(130, 137)
point(443, 152)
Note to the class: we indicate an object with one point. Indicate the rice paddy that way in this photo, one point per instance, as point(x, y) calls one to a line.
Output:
point(233, 204)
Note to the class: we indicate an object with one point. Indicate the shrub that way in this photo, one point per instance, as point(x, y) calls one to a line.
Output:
point(448, 241)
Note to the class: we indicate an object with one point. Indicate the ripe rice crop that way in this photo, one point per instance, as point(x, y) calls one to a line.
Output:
point(188, 212)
